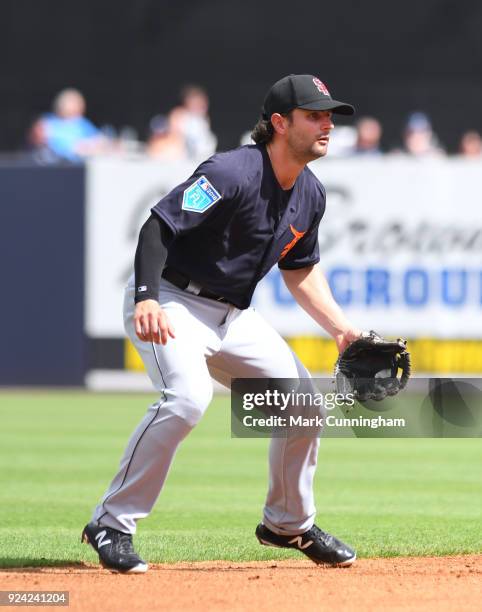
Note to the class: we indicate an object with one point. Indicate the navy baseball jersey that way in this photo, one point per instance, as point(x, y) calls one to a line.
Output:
point(232, 222)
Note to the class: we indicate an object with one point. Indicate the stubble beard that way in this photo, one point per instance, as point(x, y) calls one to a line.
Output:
point(319, 150)
point(304, 153)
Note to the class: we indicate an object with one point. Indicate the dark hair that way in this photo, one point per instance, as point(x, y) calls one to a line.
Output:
point(263, 131)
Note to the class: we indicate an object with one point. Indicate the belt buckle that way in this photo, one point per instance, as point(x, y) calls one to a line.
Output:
point(193, 288)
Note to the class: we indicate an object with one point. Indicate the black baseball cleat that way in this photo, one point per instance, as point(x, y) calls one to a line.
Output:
point(319, 546)
point(115, 549)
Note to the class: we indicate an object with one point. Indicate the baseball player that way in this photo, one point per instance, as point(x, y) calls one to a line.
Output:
point(187, 310)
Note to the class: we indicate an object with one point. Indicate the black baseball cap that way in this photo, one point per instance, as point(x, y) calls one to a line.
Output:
point(302, 91)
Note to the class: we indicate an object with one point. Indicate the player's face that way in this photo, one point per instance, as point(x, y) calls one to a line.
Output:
point(308, 133)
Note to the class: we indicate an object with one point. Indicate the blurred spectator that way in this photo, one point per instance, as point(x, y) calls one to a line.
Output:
point(342, 141)
point(369, 133)
point(196, 125)
point(38, 149)
point(471, 144)
point(66, 133)
point(419, 138)
point(166, 140)
point(186, 132)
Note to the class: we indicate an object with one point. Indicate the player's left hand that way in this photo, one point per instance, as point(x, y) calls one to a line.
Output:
point(369, 368)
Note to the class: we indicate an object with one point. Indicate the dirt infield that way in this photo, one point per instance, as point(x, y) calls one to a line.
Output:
point(409, 583)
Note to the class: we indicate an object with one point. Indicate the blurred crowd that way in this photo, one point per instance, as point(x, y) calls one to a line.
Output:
point(67, 135)
point(418, 139)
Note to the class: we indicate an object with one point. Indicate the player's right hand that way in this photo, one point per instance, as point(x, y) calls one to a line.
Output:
point(152, 323)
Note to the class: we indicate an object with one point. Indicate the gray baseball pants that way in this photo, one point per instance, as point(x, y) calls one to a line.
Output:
point(219, 340)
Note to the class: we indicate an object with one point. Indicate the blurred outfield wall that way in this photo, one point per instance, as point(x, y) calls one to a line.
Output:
point(42, 340)
point(400, 243)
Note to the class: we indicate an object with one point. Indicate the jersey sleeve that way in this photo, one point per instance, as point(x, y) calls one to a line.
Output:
point(306, 251)
point(199, 199)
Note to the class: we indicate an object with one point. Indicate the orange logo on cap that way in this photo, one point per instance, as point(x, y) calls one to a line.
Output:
point(321, 87)
point(297, 236)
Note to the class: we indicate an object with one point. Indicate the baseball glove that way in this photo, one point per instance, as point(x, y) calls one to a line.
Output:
point(369, 367)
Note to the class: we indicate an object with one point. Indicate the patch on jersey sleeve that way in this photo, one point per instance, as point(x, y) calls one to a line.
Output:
point(200, 196)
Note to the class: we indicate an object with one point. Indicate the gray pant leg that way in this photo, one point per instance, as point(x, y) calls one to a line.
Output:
point(253, 349)
point(290, 507)
point(143, 469)
point(179, 372)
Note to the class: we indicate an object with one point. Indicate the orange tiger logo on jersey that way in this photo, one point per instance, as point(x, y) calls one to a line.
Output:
point(297, 236)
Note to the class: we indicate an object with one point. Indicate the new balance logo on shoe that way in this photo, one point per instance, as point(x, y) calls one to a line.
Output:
point(299, 542)
point(100, 539)
point(319, 546)
point(120, 556)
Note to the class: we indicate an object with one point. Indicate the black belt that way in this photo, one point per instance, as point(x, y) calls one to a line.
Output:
point(186, 284)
